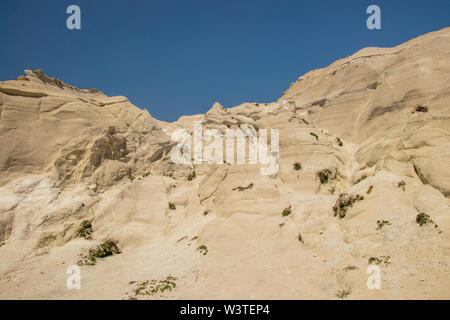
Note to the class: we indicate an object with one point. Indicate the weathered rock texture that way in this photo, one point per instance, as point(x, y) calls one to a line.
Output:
point(375, 124)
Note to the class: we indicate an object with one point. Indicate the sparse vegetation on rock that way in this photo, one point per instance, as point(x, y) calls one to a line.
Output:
point(203, 249)
point(77, 164)
point(364, 176)
point(85, 230)
point(344, 202)
point(325, 176)
point(421, 108)
point(287, 211)
point(103, 250)
point(381, 260)
point(382, 223)
point(423, 219)
point(350, 268)
point(151, 287)
point(191, 176)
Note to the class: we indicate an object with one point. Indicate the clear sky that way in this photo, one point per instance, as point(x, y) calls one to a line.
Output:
point(178, 57)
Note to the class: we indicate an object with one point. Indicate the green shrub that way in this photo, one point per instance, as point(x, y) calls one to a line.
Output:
point(402, 184)
point(297, 166)
point(339, 142)
point(172, 206)
point(85, 230)
point(423, 219)
point(151, 287)
point(325, 176)
point(192, 176)
point(369, 191)
point(287, 211)
point(382, 223)
point(343, 203)
point(103, 250)
point(203, 250)
point(380, 260)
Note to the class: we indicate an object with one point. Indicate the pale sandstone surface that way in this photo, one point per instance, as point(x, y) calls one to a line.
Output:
point(69, 155)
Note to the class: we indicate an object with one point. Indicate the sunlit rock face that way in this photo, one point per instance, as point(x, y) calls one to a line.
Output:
point(363, 180)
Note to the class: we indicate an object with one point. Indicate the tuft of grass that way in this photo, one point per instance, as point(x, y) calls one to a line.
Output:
point(315, 136)
point(369, 191)
point(325, 176)
point(172, 206)
point(287, 211)
point(343, 203)
point(339, 142)
point(402, 184)
point(85, 230)
point(297, 166)
point(341, 294)
point(103, 250)
point(382, 223)
point(380, 260)
point(131, 178)
point(192, 176)
point(203, 249)
point(151, 287)
point(300, 238)
point(423, 219)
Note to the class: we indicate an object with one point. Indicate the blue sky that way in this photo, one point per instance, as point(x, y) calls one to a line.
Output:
point(178, 57)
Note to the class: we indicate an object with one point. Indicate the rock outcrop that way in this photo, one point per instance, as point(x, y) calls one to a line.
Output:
point(364, 150)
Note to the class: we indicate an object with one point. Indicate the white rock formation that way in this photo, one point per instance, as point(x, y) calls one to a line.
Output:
point(69, 155)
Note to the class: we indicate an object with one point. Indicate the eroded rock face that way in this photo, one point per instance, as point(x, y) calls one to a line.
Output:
point(376, 93)
point(48, 126)
point(351, 137)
